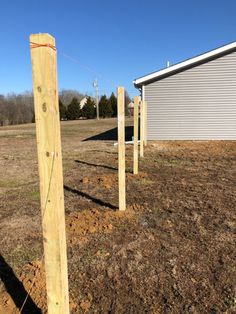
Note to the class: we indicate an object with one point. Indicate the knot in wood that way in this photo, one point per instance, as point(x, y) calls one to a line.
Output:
point(44, 106)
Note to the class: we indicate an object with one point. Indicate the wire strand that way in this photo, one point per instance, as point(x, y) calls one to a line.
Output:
point(44, 210)
point(32, 46)
point(92, 71)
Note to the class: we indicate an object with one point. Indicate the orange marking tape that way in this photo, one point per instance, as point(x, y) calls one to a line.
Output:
point(35, 45)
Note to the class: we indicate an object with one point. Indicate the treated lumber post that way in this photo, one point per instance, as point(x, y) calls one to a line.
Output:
point(145, 122)
point(44, 72)
point(141, 129)
point(121, 146)
point(136, 105)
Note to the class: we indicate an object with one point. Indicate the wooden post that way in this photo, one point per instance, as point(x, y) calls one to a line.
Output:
point(121, 146)
point(141, 128)
point(44, 69)
point(145, 122)
point(136, 105)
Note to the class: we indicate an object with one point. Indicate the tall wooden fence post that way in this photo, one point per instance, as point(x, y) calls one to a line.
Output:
point(136, 109)
point(44, 69)
point(142, 121)
point(121, 146)
point(145, 122)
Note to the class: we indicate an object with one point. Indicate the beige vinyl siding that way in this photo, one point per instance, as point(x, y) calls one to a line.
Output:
point(198, 103)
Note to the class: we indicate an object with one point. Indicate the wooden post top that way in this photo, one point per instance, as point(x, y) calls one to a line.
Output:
point(42, 36)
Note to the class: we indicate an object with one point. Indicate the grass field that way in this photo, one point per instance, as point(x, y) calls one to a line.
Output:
point(172, 251)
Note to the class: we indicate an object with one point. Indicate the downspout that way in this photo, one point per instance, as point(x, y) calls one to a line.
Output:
point(143, 92)
point(140, 89)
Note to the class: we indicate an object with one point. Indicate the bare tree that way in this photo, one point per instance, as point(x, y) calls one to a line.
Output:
point(16, 109)
point(19, 108)
point(66, 96)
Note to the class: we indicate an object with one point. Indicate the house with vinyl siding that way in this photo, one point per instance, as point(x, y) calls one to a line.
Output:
point(194, 99)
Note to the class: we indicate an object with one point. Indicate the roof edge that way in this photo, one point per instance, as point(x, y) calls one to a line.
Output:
point(155, 75)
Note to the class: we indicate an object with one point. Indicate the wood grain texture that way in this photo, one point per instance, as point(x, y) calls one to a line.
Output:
point(145, 122)
point(44, 69)
point(135, 161)
point(121, 146)
point(142, 126)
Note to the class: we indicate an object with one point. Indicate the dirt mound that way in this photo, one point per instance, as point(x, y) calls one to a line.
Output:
point(31, 286)
point(30, 291)
point(81, 224)
point(7, 305)
point(107, 181)
point(33, 279)
point(140, 175)
point(31, 297)
point(89, 222)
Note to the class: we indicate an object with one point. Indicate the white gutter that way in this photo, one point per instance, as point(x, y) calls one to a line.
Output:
point(143, 92)
point(186, 63)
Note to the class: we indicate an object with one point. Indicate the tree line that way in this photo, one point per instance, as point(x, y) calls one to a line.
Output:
point(19, 108)
point(16, 109)
point(107, 108)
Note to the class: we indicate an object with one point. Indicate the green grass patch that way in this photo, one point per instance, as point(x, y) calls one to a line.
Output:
point(144, 181)
point(8, 184)
point(22, 254)
point(171, 162)
point(66, 165)
point(34, 195)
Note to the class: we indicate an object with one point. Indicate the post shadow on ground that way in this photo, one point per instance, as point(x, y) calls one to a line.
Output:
point(101, 166)
point(104, 152)
point(111, 135)
point(91, 198)
point(16, 289)
point(95, 165)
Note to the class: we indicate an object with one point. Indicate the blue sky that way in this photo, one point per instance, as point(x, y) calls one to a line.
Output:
point(118, 40)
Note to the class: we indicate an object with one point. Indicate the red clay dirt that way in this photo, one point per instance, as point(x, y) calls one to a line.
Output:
point(172, 251)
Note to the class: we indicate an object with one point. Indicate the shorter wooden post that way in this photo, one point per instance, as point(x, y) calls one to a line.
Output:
point(141, 128)
point(145, 122)
point(135, 165)
point(121, 146)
